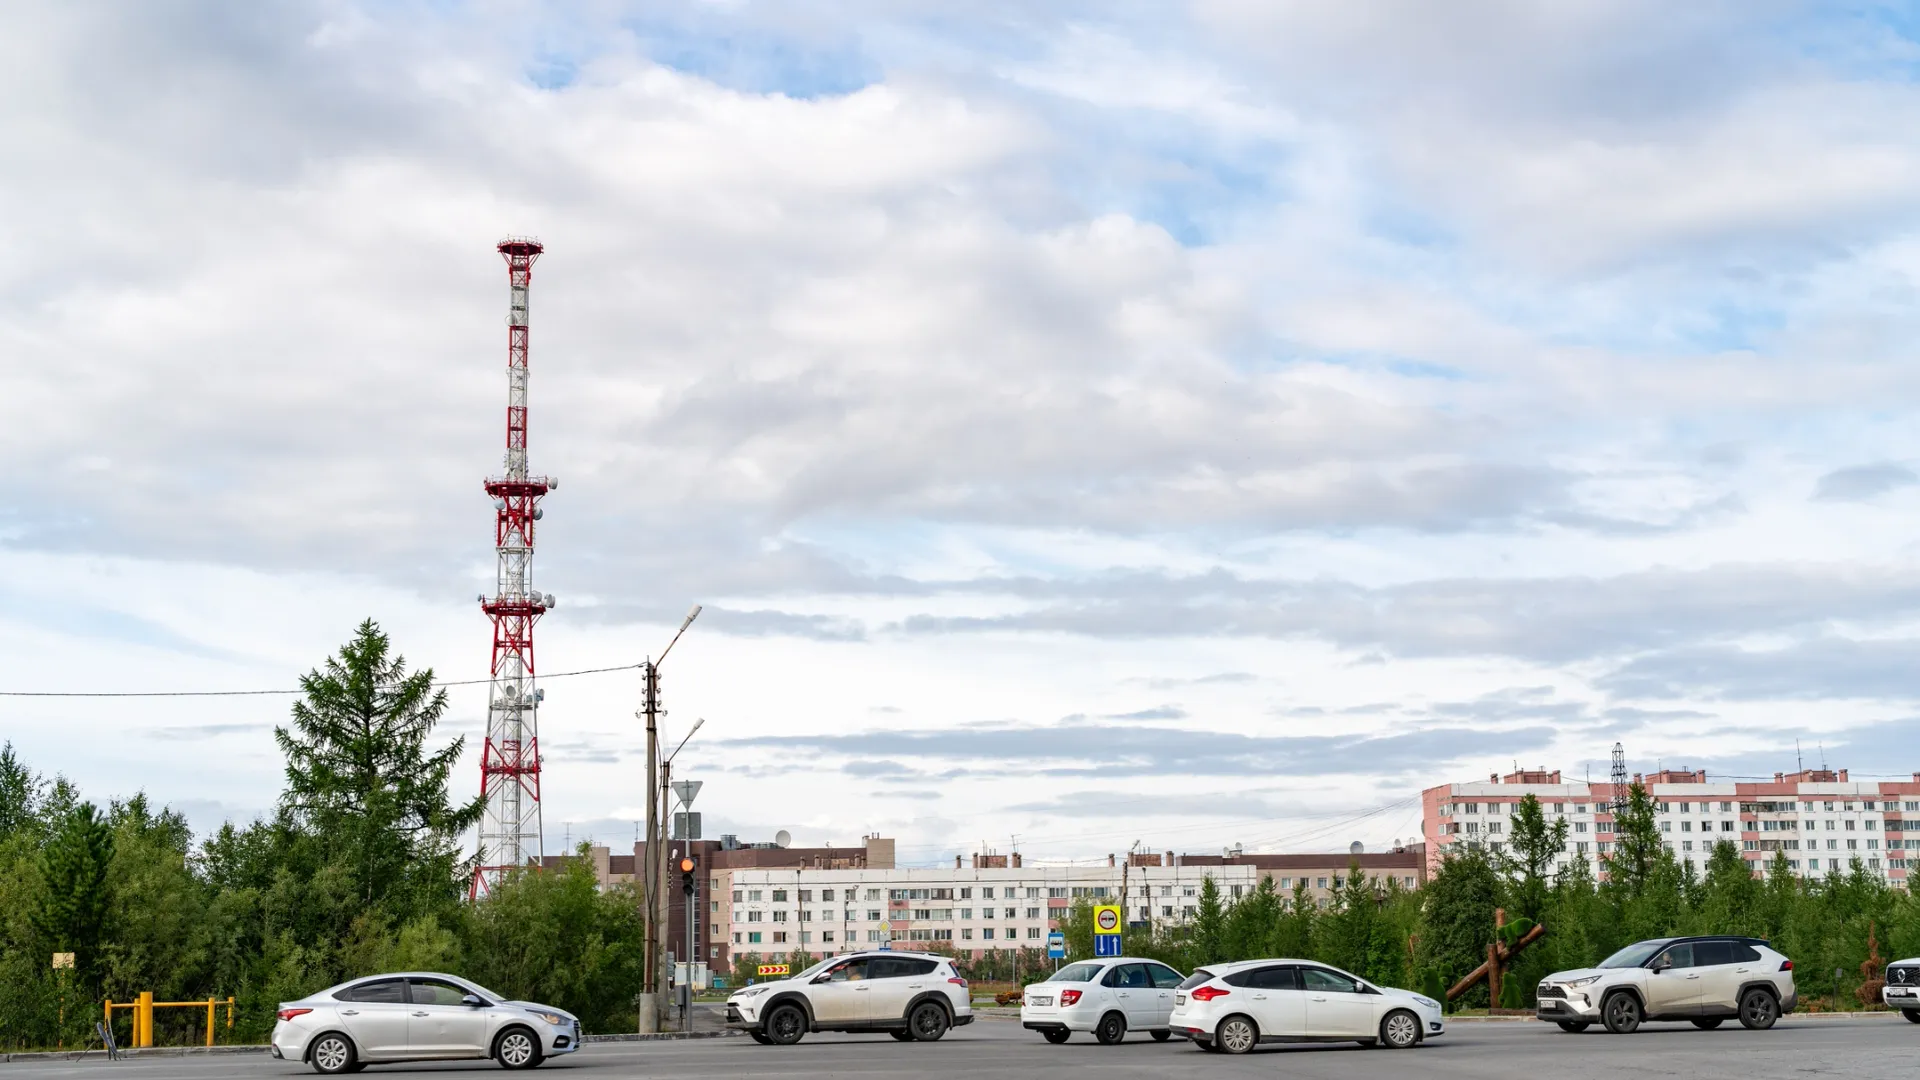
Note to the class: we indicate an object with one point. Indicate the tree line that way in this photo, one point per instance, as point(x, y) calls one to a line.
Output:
point(357, 870)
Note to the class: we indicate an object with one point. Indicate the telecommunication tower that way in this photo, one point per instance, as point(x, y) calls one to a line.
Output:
point(510, 833)
point(1619, 779)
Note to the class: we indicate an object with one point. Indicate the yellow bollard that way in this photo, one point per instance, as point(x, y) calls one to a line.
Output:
point(209, 1021)
point(143, 1020)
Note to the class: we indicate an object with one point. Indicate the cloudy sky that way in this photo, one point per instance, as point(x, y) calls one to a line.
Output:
point(1083, 424)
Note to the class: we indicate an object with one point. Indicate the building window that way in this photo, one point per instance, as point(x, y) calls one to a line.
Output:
point(986, 933)
point(873, 935)
point(1579, 808)
point(779, 896)
point(826, 937)
point(966, 894)
point(753, 896)
point(1011, 913)
point(1407, 881)
point(754, 916)
point(1033, 913)
point(713, 951)
point(1188, 913)
point(1166, 890)
point(1581, 826)
point(1320, 883)
point(827, 895)
point(873, 894)
point(1167, 912)
point(966, 913)
point(1186, 890)
point(966, 933)
point(806, 896)
point(736, 937)
point(1686, 808)
point(1725, 807)
point(753, 937)
point(986, 892)
point(736, 896)
point(779, 916)
point(779, 937)
point(805, 915)
point(1033, 893)
point(806, 936)
point(1666, 826)
point(1033, 931)
point(873, 916)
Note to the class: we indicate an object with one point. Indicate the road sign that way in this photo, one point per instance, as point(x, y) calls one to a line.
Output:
point(687, 790)
point(886, 946)
point(1056, 946)
point(885, 926)
point(63, 959)
point(767, 970)
point(1106, 930)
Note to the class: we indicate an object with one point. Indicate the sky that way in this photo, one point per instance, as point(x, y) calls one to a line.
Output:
point(1084, 423)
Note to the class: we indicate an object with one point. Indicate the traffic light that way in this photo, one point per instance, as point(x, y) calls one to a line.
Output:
point(686, 875)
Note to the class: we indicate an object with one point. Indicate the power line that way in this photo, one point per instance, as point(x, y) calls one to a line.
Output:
point(262, 693)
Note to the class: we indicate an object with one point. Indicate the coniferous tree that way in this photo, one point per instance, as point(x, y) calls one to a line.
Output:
point(1534, 844)
point(361, 779)
point(75, 866)
point(1208, 924)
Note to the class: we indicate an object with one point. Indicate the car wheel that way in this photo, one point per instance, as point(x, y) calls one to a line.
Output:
point(786, 1025)
point(1758, 1010)
point(1111, 1029)
point(1057, 1036)
point(331, 1055)
point(1235, 1035)
point(516, 1048)
point(1708, 1023)
point(1162, 1035)
point(928, 1022)
point(1400, 1030)
point(1621, 1014)
point(760, 1037)
point(1912, 1015)
point(1573, 1026)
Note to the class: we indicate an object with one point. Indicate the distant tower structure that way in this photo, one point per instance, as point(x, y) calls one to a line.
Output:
point(510, 833)
point(1619, 778)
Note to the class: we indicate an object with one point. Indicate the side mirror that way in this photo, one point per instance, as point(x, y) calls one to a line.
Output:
point(1665, 963)
point(472, 1000)
point(819, 979)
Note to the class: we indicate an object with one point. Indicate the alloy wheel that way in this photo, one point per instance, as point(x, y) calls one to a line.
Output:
point(1236, 1035)
point(516, 1050)
point(1622, 1014)
point(1400, 1031)
point(332, 1055)
point(1758, 1011)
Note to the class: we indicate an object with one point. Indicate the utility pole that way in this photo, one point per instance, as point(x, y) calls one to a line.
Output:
point(650, 891)
point(687, 867)
point(653, 967)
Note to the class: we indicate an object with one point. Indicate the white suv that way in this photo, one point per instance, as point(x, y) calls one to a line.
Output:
point(1704, 980)
point(911, 996)
point(1903, 988)
point(1108, 997)
point(1232, 1008)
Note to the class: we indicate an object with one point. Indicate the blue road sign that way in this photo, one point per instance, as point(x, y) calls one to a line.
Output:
point(1106, 944)
point(1056, 946)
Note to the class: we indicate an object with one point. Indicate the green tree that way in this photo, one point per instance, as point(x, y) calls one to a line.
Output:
point(1458, 923)
point(1347, 932)
point(1637, 851)
point(74, 867)
point(1209, 924)
point(360, 777)
point(554, 937)
point(1534, 843)
point(20, 793)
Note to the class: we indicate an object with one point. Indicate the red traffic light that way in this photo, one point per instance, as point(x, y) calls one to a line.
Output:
point(686, 866)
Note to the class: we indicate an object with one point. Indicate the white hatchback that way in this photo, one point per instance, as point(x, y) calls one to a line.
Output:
point(1232, 1008)
point(1108, 997)
point(418, 1016)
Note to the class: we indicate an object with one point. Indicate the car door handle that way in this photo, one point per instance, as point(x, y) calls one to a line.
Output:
point(1693, 976)
point(349, 1012)
point(1319, 999)
point(861, 989)
point(419, 1014)
point(1741, 971)
point(1259, 997)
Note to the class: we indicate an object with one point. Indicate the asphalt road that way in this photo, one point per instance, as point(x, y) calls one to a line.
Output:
point(1859, 1049)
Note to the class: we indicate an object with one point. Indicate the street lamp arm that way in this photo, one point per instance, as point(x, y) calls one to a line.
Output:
point(683, 741)
point(692, 614)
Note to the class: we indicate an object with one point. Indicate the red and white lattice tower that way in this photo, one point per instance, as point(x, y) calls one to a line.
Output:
point(510, 833)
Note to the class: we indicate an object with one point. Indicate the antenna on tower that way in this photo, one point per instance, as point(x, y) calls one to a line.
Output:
point(510, 830)
point(1823, 755)
point(1619, 778)
point(1799, 759)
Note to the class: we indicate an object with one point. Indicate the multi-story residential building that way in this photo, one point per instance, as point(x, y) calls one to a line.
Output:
point(999, 902)
point(1818, 818)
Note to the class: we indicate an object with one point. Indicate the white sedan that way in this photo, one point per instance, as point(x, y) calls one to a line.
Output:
point(418, 1016)
point(1231, 1008)
point(1108, 997)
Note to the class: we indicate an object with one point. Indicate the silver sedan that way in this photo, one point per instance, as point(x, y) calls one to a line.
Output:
point(418, 1016)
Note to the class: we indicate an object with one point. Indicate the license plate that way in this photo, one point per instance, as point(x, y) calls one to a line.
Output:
point(1894, 991)
point(1039, 1001)
point(1179, 999)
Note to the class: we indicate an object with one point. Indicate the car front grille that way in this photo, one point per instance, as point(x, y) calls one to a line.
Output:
point(733, 1013)
point(1904, 976)
point(1548, 990)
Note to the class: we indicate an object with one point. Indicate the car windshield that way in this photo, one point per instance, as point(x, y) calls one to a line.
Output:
point(484, 992)
point(818, 968)
point(1636, 954)
point(1078, 973)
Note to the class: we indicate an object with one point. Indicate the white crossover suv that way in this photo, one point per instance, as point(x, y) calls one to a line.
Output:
point(418, 1016)
point(1231, 1008)
point(1903, 988)
point(1108, 997)
point(911, 996)
point(1704, 980)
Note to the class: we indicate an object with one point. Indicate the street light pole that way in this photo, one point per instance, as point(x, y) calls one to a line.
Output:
point(654, 875)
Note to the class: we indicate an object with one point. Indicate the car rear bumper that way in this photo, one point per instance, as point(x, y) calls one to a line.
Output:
point(963, 1020)
point(1194, 1033)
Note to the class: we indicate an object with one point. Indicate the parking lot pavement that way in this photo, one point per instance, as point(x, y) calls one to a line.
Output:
point(1860, 1049)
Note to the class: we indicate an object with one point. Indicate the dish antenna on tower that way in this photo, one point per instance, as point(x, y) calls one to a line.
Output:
point(782, 838)
point(1356, 848)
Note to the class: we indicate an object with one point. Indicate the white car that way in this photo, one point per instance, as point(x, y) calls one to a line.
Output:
point(1903, 988)
point(418, 1016)
point(1231, 1008)
point(1108, 997)
point(911, 996)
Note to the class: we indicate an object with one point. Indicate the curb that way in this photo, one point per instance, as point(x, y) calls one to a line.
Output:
point(1888, 1013)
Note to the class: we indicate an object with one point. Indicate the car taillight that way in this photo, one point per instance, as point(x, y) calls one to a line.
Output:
point(1068, 997)
point(1208, 993)
point(957, 981)
point(1786, 965)
point(288, 1014)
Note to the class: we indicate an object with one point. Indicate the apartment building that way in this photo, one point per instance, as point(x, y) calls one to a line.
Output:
point(1818, 818)
point(999, 902)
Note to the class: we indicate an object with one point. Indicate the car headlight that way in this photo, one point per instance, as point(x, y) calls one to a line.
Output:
point(1427, 1001)
point(552, 1018)
point(1581, 982)
point(751, 991)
